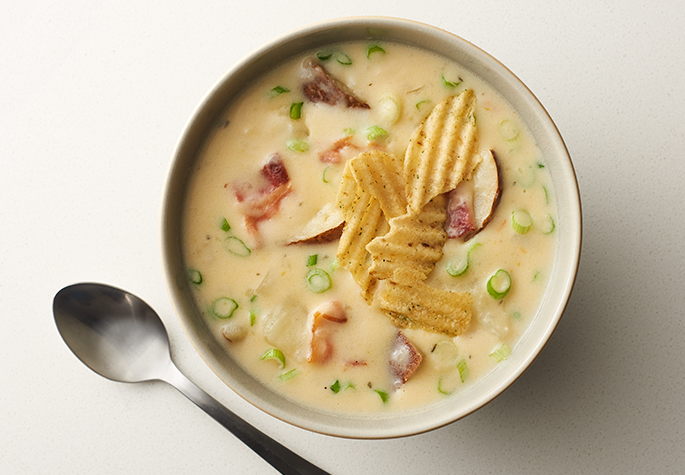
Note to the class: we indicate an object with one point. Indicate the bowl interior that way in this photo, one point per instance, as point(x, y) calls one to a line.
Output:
point(531, 112)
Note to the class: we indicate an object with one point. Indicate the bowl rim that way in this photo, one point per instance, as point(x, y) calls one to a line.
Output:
point(413, 422)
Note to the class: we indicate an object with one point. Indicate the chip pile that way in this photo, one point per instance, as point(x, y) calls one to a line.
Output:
point(394, 212)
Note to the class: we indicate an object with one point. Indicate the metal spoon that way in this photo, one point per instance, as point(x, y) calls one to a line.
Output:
point(120, 337)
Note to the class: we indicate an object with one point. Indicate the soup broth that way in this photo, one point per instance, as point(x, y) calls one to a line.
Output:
point(275, 159)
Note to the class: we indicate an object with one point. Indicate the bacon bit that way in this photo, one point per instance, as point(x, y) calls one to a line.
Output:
point(459, 212)
point(320, 347)
point(404, 359)
point(274, 171)
point(355, 363)
point(321, 87)
point(263, 203)
point(338, 149)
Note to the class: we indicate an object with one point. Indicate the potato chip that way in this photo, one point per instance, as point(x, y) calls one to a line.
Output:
point(418, 305)
point(381, 175)
point(364, 221)
point(414, 241)
point(442, 151)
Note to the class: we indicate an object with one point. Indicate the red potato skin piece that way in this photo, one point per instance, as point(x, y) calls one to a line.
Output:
point(402, 370)
point(321, 87)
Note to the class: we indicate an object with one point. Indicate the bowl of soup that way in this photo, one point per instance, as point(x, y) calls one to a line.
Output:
point(370, 228)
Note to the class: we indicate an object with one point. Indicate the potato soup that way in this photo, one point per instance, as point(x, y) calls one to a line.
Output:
point(263, 232)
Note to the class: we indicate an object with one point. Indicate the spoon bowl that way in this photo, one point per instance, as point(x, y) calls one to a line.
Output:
point(120, 337)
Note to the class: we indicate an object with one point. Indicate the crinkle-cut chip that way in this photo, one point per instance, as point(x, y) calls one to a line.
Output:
point(413, 242)
point(381, 175)
point(347, 190)
point(364, 221)
point(417, 305)
point(442, 151)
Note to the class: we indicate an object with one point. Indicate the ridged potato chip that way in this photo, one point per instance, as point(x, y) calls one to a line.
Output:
point(414, 241)
point(418, 305)
point(442, 151)
point(381, 175)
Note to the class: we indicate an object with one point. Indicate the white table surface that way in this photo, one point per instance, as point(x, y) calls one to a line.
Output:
point(92, 102)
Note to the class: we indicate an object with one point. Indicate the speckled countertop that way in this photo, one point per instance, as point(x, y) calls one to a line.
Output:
point(92, 102)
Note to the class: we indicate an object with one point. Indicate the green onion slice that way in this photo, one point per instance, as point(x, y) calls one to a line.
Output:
point(501, 353)
point(335, 387)
point(195, 276)
point(334, 265)
point(225, 226)
point(224, 307)
point(318, 280)
point(460, 265)
point(384, 395)
point(374, 49)
point(237, 247)
point(276, 355)
point(463, 368)
point(499, 284)
point(343, 59)
point(375, 132)
point(289, 374)
point(296, 110)
point(324, 55)
point(253, 317)
point(548, 225)
point(297, 145)
point(508, 130)
point(278, 90)
point(521, 221)
point(421, 104)
point(312, 260)
point(325, 172)
point(450, 84)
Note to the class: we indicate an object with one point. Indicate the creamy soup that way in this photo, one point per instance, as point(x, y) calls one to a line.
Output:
point(275, 160)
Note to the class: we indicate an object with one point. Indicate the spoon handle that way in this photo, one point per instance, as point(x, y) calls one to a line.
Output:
point(281, 458)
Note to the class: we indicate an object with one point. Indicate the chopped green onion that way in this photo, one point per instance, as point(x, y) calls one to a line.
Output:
point(318, 280)
point(195, 276)
point(374, 49)
point(541, 165)
point(253, 298)
point(548, 225)
point(237, 247)
point(536, 276)
point(224, 307)
point(420, 104)
point(296, 110)
point(335, 387)
point(516, 315)
point(375, 132)
point(297, 145)
point(324, 177)
point(224, 225)
point(312, 260)
point(289, 374)
point(324, 55)
point(334, 265)
point(384, 396)
point(343, 59)
point(275, 354)
point(450, 84)
point(508, 130)
point(499, 284)
point(521, 221)
point(349, 131)
point(278, 90)
point(463, 368)
point(501, 353)
point(253, 317)
point(458, 267)
point(544, 188)
point(444, 354)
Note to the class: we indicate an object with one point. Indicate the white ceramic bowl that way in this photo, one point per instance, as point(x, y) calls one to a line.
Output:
point(501, 79)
